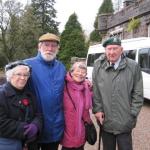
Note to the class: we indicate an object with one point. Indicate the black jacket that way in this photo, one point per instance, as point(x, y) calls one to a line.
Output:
point(13, 112)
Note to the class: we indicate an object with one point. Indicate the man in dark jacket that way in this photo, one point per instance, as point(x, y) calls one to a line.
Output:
point(118, 95)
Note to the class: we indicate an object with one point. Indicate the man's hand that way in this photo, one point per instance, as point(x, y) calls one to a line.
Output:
point(100, 117)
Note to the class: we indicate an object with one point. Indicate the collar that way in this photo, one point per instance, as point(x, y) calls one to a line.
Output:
point(11, 91)
point(116, 64)
point(122, 62)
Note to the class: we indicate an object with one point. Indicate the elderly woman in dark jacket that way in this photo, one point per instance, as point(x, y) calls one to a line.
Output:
point(20, 123)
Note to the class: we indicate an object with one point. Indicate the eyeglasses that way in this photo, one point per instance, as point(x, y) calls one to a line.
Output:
point(50, 44)
point(22, 75)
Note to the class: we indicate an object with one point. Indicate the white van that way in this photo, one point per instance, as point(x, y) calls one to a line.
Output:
point(137, 49)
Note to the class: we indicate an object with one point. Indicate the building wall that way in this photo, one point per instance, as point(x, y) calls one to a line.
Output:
point(112, 24)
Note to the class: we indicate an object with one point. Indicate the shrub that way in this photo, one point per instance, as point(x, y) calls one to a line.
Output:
point(133, 24)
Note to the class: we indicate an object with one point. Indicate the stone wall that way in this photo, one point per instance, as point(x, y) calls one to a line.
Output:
point(108, 23)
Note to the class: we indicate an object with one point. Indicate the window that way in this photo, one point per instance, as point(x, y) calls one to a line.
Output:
point(130, 54)
point(92, 58)
point(144, 59)
point(149, 30)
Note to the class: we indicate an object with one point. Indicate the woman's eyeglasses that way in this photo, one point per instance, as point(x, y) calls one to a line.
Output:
point(21, 75)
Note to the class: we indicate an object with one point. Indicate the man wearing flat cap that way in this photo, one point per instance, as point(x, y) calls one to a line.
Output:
point(118, 95)
point(47, 83)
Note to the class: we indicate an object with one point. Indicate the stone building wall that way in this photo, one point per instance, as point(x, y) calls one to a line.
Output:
point(112, 24)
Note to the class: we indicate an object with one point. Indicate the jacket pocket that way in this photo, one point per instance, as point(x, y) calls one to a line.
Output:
point(130, 124)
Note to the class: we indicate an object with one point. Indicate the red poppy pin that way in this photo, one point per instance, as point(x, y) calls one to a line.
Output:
point(25, 102)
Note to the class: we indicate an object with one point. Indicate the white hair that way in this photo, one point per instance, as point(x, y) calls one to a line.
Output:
point(48, 57)
point(79, 64)
point(9, 73)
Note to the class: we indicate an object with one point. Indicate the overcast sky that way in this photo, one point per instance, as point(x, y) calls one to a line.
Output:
point(86, 11)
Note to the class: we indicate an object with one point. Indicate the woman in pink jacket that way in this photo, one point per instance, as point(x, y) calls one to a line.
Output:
point(77, 102)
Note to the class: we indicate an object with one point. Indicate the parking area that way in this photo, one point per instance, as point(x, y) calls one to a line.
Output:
point(141, 134)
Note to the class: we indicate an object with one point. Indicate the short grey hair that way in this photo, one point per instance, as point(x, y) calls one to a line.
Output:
point(9, 73)
point(79, 64)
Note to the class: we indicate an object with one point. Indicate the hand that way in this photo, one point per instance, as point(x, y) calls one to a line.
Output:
point(89, 83)
point(100, 117)
point(30, 130)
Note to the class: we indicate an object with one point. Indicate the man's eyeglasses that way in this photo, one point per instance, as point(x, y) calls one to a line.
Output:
point(50, 44)
point(22, 75)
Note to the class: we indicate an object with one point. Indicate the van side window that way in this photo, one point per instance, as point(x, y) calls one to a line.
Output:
point(130, 54)
point(91, 58)
point(144, 59)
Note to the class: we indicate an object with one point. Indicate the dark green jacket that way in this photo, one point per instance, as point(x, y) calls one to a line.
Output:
point(118, 93)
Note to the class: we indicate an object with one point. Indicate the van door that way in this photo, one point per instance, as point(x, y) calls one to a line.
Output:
point(130, 54)
point(144, 59)
point(144, 62)
point(90, 62)
point(91, 58)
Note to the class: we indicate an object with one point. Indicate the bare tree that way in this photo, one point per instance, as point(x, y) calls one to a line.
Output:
point(8, 10)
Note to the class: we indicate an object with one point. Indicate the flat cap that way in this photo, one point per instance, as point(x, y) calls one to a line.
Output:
point(49, 37)
point(112, 41)
point(15, 64)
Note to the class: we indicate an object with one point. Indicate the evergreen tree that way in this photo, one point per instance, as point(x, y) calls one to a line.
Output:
point(46, 14)
point(106, 7)
point(29, 33)
point(95, 36)
point(72, 41)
